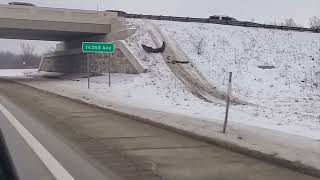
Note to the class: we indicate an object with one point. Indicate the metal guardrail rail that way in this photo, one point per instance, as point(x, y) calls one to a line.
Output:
point(7, 168)
point(213, 21)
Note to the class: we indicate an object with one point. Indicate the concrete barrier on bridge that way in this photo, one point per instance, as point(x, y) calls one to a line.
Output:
point(53, 24)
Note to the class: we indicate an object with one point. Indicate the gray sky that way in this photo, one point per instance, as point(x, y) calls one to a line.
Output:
point(264, 11)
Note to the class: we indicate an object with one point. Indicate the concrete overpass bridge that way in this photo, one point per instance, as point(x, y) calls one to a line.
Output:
point(71, 27)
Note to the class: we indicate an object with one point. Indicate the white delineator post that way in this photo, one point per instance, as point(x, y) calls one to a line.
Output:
point(228, 103)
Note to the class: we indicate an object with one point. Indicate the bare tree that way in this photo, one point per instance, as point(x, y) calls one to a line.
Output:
point(27, 53)
point(200, 45)
point(314, 22)
point(27, 49)
point(274, 23)
point(290, 22)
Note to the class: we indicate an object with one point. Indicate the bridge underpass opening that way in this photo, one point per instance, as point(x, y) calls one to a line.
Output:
point(23, 54)
point(71, 27)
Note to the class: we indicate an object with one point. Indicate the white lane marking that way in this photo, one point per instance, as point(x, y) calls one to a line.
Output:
point(48, 160)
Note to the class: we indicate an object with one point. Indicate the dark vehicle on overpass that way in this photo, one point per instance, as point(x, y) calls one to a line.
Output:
point(223, 18)
point(21, 4)
point(120, 13)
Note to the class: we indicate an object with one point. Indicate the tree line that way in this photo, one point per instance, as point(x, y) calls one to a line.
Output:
point(26, 59)
point(314, 22)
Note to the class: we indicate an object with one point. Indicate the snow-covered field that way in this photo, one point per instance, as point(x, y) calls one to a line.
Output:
point(15, 72)
point(284, 98)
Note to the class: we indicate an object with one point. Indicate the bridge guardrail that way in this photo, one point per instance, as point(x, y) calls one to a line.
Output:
point(213, 21)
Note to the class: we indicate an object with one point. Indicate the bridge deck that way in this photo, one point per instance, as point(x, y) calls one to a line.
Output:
point(40, 23)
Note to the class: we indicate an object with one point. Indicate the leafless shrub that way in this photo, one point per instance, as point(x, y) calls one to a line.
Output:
point(27, 54)
point(200, 44)
point(290, 22)
point(27, 49)
point(314, 22)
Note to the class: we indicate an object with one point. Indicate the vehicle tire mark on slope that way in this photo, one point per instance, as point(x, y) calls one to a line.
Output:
point(188, 74)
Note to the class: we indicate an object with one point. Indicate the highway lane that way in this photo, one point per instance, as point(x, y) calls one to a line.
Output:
point(91, 143)
point(22, 155)
point(27, 162)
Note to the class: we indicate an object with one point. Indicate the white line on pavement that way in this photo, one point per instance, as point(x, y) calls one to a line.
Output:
point(48, 160)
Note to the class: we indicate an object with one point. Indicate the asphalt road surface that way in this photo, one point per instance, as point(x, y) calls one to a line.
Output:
point(70, 140)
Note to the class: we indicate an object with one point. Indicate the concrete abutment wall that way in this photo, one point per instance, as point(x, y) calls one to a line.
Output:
point(74, 61)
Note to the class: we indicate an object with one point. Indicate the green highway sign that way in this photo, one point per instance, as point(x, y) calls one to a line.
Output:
point(98, 47)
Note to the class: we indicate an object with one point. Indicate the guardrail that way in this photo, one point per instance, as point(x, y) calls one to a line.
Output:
point(7, 169)
point(213, 21)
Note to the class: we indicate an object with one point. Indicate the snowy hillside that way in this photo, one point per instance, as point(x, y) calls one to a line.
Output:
point(285, 98)
point(295, 55)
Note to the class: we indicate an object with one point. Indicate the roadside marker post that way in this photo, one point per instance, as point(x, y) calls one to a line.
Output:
point(95, 48)
point(228, 103)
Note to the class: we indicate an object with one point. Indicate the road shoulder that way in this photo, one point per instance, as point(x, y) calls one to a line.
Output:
point(288, 150)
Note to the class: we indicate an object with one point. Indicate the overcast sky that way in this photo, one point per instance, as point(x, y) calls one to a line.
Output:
point(264, 11)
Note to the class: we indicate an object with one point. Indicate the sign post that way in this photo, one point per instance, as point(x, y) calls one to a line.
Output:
point(109, 70)
point(98, 47)
point(88, 69)
point(228, 104)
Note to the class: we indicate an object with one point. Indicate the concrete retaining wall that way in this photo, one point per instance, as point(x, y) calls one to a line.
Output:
point(74, 61)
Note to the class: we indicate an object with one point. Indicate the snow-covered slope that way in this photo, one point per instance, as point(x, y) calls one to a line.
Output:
point(284, 98)
point(295, 55)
